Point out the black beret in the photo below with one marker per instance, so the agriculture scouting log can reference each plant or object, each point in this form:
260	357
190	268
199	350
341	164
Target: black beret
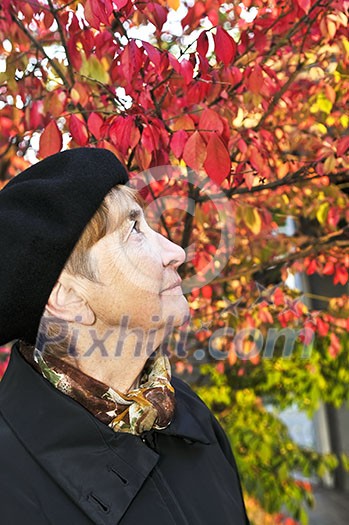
43	212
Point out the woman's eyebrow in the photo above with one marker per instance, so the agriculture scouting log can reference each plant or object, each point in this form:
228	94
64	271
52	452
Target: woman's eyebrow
131	215
134	214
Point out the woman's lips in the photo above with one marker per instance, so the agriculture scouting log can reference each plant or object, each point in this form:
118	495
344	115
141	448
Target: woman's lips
174	288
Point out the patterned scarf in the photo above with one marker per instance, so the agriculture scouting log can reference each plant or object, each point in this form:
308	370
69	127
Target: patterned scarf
150	405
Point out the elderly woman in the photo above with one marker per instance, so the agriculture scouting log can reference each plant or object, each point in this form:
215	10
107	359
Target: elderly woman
93	427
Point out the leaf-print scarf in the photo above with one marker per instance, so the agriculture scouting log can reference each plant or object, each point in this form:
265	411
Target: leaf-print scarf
150	405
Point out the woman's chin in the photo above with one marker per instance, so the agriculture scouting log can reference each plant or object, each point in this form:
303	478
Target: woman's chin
178	313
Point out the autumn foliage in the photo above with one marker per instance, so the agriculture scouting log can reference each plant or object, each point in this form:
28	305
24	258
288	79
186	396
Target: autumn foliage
253	97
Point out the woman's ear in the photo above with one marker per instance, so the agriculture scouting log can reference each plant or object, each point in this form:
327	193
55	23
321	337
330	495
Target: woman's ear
67	304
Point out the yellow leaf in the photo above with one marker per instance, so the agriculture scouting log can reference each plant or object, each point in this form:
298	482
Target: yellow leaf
329	164
345	43
239	118
94	69
252	219
174	4
283	169
74	95
344	120
322	212
251	122
316	73
330	120
322	104
318	128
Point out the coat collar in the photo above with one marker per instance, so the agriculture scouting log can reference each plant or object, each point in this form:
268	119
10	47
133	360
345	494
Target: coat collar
106	471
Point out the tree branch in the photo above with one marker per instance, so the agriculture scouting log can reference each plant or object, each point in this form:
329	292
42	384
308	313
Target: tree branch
290	178
278	96
292	31
53	11
312	248
40	48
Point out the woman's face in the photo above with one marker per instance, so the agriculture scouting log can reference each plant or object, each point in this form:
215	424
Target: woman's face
137	274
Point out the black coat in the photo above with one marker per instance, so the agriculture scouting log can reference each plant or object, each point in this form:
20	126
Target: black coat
59	465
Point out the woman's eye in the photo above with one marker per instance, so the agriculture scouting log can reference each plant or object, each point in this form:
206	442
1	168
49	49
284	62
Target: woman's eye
135	227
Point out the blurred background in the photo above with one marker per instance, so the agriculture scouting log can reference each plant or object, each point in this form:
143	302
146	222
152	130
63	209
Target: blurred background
233	119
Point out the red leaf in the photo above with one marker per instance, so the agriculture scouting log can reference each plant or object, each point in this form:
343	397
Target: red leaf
48	20
255	80
184	122
79	94
220	367
55	103
260	40
143	157
195	13
342	145
131	59
94	124
108	6
78	130
217	163
124	134
187	70
87	40
312	267
341	275
148	139
206	292
333	217
241	144
93	13
322	327
164	138
256	159
211	121
194	152
91	18
213	16
202	44
204	67
178	141
134	134
36	115
157	14
153	53
328	268
335	345
305	5
50	140
174	63
74	54
200	260
119	134
225	46
74	26
99	8
120	3
278	297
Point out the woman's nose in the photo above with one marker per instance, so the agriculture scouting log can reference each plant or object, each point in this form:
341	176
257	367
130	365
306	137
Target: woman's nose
171	253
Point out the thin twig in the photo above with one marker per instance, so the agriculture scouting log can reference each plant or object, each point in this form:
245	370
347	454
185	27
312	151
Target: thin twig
278	95
38	46
311	249
53	11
